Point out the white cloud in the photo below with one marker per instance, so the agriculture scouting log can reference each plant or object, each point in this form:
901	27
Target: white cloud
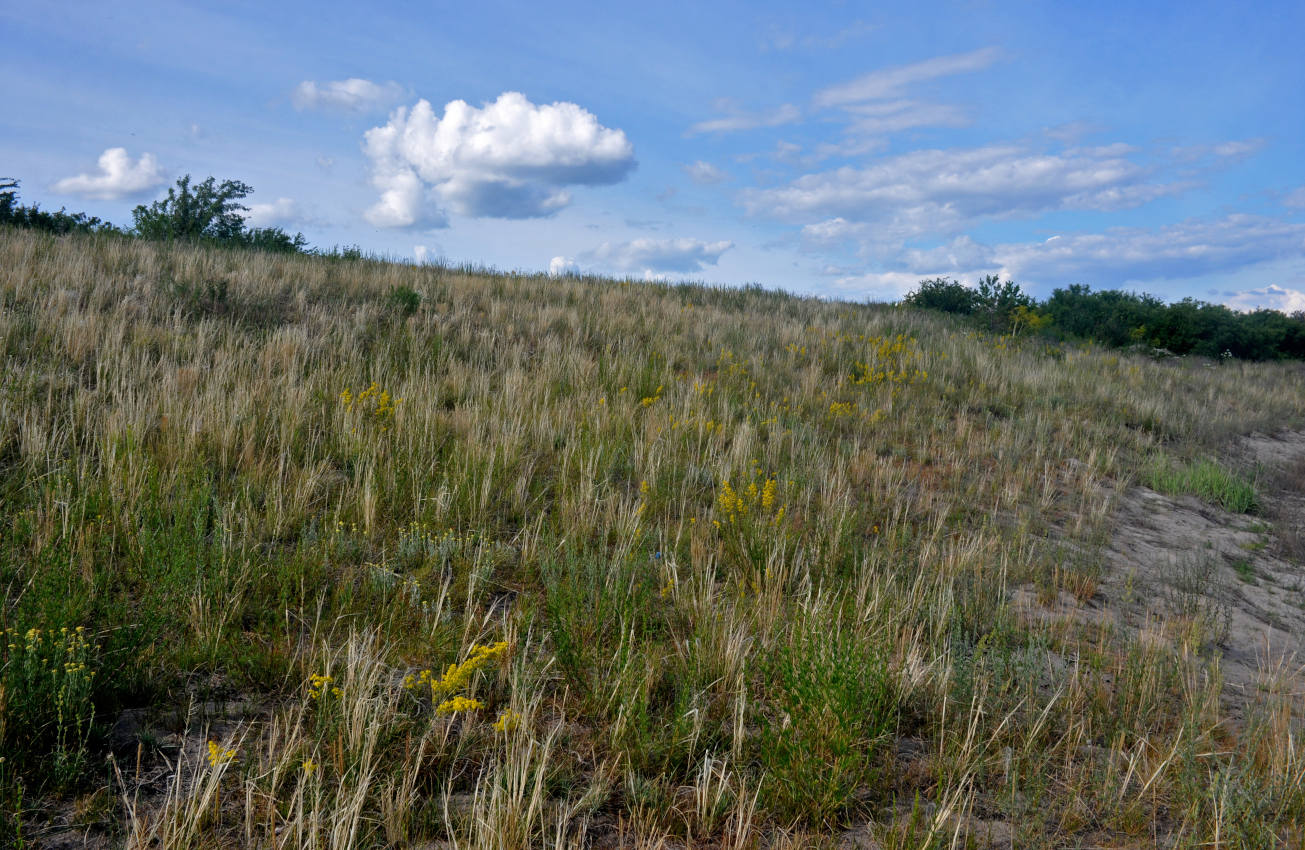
281	212
737	119
659	255
507	159
1109	259
1295	198
896	115
326	163
1270	297
938	192
559	266
351	95
118	177
891	82
705	173
782	39
1239	149
1115	258
1186	249
420	253
877	286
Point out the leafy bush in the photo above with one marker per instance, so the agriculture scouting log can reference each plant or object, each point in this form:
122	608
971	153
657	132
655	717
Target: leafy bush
992	302
405	299
940	293
836	711
210	211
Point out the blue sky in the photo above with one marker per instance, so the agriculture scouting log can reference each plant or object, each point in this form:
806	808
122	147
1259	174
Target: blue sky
839	149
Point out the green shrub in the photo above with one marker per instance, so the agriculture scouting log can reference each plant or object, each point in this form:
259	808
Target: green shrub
940	293
406	300
835	710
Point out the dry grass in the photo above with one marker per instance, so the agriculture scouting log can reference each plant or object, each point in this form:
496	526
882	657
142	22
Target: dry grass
584	468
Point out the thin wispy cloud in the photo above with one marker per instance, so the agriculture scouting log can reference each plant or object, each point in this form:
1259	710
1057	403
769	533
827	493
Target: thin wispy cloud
782	39
1111	258
351	95
737	119
894	116
892	82
939	191
704	173
118	177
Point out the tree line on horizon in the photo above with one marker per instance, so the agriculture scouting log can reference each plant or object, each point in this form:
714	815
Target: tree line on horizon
210	212
1119	319
203	212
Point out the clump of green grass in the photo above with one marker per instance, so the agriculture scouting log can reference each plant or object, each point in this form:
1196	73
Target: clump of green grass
1206	480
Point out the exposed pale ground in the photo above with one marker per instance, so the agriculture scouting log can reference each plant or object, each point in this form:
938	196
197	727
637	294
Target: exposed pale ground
1231	576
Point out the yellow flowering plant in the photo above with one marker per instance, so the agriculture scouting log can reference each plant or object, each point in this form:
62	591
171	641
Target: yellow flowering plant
46	709
372	406
447	692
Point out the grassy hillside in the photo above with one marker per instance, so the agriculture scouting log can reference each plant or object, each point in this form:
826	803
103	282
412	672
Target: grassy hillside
302	552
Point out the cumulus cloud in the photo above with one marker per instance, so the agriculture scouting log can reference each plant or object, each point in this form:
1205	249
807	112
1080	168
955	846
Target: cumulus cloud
1271	297
118	177
559	266
937	192
351	95
659	255
506	159
737	119
892	82
705	173
279	213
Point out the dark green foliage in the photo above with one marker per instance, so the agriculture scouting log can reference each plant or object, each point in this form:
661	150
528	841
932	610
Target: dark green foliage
1184	327
940	293
406	300
8	197
343	252
274	239
993	303
1120	319
208	211
996	302
35	218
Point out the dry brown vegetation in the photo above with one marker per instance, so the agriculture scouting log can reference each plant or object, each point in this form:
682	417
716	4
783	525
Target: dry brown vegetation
755	559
